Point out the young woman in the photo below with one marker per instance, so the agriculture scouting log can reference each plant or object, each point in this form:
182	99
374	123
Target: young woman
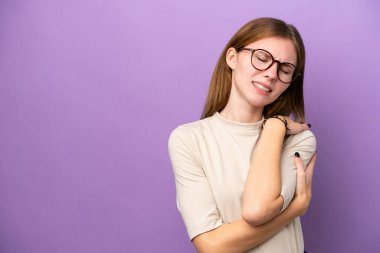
239	171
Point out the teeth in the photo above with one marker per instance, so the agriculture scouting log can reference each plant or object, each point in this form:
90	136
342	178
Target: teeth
261	87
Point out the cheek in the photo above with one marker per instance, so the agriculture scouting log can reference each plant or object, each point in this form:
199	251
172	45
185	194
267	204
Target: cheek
246	73
239	75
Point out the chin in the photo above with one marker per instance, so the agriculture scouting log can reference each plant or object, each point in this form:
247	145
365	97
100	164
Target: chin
259	102
257	105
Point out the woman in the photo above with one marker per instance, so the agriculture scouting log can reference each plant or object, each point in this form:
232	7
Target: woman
240	179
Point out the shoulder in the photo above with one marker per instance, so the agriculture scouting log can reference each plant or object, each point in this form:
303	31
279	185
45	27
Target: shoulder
183	144
187	132
305	138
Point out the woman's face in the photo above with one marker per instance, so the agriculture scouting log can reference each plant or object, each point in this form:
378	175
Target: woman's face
259	88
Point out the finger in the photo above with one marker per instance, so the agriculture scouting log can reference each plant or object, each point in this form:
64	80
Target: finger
300	128
298	162
305	126
310	170
301	180
296	128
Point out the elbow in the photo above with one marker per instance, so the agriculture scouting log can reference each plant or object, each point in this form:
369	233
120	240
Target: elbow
207	244
259	212
213	247
255	216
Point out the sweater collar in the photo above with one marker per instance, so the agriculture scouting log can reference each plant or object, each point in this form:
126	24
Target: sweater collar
238	127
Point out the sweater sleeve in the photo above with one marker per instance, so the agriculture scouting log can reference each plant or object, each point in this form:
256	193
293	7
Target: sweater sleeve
195	200
305	144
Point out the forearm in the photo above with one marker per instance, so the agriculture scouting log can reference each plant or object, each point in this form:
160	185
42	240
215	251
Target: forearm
261	197
239	236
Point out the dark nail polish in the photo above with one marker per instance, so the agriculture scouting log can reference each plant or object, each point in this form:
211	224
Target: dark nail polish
297	154
309	125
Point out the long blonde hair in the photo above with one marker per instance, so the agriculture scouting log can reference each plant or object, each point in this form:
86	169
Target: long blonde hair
291	101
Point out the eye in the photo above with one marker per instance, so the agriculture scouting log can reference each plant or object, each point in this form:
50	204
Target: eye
287	69
263	57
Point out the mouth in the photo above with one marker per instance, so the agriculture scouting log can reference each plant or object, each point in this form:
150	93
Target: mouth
262	86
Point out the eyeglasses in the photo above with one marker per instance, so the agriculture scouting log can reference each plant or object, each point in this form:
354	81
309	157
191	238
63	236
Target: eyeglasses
263	60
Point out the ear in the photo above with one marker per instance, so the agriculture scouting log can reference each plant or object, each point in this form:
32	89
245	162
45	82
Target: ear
231	57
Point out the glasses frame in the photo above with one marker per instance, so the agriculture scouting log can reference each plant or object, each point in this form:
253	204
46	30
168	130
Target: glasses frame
295	74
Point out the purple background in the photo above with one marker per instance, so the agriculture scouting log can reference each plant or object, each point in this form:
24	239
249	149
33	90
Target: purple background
90	90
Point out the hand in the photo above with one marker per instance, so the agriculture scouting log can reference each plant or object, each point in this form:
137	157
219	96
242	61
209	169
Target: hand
302	195
294	127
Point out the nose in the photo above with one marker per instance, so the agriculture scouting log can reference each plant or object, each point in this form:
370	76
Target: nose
271	73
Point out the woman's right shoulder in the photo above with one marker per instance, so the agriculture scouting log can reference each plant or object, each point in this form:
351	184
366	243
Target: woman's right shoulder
188	131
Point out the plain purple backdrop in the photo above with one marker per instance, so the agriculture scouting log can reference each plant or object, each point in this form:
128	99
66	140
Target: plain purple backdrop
90	90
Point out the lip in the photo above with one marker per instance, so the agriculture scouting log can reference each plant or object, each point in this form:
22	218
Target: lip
264	84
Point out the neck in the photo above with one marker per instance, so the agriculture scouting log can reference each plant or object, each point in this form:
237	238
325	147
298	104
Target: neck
243	114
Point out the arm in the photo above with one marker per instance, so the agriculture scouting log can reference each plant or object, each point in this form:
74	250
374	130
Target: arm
262	199
200	213
239	236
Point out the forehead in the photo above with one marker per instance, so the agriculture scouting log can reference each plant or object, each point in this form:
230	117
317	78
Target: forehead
281	49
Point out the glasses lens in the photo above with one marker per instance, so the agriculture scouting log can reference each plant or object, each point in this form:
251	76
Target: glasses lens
261	59
286	72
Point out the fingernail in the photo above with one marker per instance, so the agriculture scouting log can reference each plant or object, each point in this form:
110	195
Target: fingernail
297	154
309	125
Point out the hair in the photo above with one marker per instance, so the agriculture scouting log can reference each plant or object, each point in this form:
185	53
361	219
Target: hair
291	100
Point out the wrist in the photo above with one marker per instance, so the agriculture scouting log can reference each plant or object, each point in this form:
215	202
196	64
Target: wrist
275	125
299	205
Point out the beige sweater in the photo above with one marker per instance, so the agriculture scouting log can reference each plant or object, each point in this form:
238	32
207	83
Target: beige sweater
211	159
